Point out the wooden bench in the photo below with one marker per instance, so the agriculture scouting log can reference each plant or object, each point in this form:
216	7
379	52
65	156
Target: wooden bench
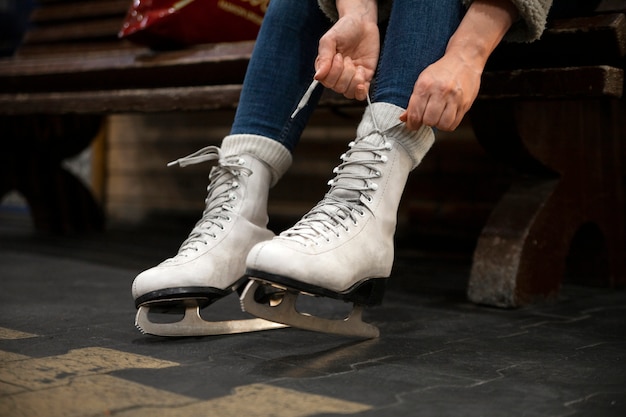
553	109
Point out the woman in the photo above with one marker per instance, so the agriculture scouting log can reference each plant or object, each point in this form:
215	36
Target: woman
421	61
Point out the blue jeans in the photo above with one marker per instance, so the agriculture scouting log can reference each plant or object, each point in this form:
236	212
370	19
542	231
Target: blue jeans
282	64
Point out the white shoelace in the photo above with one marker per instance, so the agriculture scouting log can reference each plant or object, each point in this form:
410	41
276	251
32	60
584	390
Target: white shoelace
351	188
220	196
347	200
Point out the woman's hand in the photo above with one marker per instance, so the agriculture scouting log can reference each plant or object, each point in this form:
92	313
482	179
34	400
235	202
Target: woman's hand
443	93
348	52
445	90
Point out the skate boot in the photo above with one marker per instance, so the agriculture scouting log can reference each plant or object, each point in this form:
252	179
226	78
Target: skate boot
343	248
210	263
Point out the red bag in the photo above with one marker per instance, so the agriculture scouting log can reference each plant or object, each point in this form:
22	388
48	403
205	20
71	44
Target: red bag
176	23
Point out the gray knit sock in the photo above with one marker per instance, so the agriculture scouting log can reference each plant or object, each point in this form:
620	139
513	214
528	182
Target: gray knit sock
386	117
274	154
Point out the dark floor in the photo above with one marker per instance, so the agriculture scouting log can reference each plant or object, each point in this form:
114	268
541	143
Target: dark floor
68	346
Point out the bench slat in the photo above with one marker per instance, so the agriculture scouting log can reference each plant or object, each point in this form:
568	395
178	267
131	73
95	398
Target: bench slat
123	101
550	83
205	98
78	31
84	9
130	68
571	83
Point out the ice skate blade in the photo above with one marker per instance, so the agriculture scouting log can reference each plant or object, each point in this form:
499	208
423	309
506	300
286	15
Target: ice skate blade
285	312
193	324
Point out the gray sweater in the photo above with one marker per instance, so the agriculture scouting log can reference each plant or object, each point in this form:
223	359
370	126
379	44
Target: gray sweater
529	27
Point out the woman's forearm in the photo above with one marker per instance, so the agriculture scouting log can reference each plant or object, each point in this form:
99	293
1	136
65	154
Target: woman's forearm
481	30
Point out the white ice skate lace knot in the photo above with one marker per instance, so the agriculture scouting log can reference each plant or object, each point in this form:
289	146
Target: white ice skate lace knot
221	193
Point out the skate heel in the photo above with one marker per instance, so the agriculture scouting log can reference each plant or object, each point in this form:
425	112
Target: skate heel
368	293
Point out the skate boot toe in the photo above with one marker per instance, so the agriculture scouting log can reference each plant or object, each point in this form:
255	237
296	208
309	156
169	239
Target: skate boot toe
174	285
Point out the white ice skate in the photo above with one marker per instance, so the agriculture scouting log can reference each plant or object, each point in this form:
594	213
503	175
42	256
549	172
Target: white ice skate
342	248
210	263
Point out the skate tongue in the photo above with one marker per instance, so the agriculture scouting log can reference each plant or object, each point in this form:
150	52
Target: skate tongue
375	138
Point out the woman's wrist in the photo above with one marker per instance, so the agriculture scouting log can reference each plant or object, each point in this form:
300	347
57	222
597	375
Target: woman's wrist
365	9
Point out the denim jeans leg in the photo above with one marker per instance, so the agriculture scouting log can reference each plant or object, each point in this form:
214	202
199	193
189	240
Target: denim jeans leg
416	36
280	71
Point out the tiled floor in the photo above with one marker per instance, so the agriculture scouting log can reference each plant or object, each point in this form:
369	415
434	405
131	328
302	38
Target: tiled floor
68	346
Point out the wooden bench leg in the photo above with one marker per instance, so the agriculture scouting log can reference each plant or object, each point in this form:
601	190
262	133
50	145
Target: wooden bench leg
564	215
34	148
